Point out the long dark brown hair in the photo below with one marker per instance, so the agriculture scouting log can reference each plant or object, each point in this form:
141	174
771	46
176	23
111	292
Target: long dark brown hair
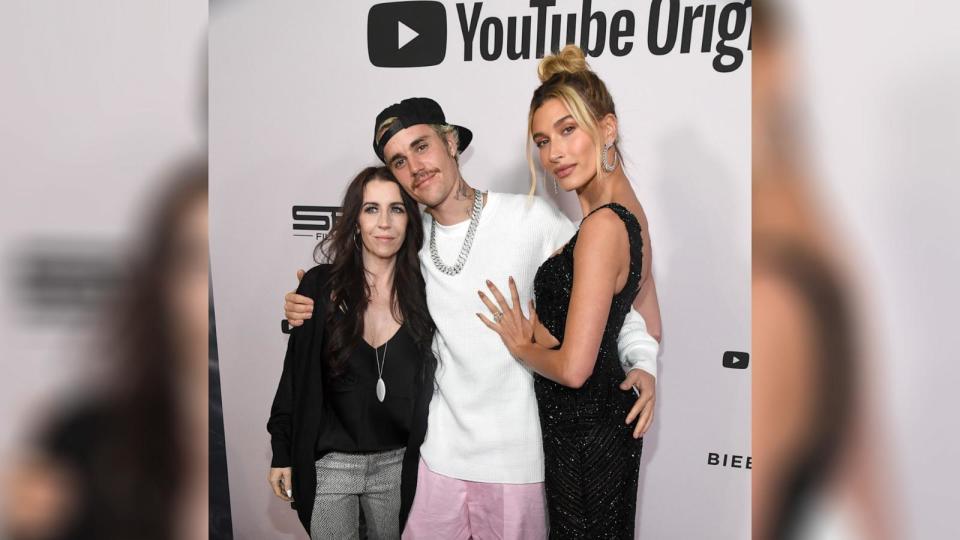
126	444
349	291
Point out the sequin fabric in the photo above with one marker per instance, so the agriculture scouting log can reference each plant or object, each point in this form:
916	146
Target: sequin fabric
591	458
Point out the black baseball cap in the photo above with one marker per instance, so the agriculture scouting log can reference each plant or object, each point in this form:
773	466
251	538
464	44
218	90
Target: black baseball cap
410	112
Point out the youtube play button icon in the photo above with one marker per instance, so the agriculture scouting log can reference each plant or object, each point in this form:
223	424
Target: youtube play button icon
407	34
736	359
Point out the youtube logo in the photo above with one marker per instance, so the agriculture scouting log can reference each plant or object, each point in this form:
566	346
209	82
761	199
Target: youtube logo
407	34
736	360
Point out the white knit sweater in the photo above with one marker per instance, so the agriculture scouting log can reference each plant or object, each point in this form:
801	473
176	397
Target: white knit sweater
483	424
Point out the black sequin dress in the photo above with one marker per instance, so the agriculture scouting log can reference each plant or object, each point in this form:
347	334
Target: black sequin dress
591	458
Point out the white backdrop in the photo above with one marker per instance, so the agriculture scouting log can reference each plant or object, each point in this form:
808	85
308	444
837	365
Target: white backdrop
293	100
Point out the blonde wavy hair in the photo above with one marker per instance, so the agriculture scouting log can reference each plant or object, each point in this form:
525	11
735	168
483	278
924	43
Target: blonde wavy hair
566	76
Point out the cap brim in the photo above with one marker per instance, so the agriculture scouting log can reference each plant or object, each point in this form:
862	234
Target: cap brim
464	135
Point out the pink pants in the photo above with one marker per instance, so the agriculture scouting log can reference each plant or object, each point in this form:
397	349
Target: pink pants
454	509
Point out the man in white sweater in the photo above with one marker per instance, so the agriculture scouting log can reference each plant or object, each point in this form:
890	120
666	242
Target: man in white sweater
481	470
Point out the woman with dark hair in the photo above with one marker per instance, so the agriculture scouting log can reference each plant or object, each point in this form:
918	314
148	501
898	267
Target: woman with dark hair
350	409
128	458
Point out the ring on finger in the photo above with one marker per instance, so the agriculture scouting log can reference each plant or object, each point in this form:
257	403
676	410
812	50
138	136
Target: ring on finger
497	317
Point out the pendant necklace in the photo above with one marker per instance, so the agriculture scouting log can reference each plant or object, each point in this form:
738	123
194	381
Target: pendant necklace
381	387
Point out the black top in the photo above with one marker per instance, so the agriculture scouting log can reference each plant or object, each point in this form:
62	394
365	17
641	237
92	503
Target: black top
110	487
354	419
298	411
600	396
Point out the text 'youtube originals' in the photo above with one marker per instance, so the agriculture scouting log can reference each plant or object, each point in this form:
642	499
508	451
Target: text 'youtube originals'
414	34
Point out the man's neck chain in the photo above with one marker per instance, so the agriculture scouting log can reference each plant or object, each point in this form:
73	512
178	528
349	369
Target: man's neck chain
467	242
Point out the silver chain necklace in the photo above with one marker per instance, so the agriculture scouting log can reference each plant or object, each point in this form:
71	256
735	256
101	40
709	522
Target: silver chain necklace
381	386
467	242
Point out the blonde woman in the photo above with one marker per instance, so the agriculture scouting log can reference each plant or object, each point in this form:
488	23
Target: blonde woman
583	292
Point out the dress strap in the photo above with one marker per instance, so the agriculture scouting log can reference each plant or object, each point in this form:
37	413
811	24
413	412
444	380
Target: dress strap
624	214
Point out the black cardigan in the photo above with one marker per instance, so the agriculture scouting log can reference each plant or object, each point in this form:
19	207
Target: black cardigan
295	416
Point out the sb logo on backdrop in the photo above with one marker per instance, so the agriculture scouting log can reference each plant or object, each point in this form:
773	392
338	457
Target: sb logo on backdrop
414	34
314	221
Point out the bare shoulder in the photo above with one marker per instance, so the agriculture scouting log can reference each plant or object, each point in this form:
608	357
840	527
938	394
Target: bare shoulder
603	229
602	252
602	221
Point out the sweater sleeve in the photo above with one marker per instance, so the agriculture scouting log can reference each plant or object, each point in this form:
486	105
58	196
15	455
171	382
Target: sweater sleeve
556	228
280	424
636	347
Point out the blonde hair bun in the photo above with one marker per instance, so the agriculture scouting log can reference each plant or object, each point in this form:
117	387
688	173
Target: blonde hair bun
569	59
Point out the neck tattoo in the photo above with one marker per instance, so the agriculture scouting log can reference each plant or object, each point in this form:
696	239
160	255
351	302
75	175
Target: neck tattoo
462	190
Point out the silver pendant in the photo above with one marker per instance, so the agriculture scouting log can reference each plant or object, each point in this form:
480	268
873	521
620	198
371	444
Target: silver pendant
381	390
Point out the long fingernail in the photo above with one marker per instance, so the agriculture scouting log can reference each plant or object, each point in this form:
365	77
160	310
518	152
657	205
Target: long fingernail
489	283
289	493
